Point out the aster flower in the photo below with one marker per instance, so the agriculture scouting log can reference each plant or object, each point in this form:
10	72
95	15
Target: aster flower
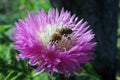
56	42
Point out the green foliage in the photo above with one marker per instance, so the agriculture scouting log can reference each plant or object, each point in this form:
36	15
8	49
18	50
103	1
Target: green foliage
88	73
14	9
118	78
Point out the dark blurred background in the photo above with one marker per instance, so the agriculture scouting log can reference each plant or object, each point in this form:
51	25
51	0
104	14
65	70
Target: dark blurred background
104	18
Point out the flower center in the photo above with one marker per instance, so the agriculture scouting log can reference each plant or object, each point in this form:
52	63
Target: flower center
56	35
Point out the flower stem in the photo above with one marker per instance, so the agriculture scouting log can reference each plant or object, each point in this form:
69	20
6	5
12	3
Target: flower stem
7	77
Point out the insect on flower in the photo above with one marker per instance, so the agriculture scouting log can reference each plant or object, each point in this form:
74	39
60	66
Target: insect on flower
59	33
56	42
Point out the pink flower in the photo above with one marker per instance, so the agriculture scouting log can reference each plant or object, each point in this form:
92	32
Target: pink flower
54	41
